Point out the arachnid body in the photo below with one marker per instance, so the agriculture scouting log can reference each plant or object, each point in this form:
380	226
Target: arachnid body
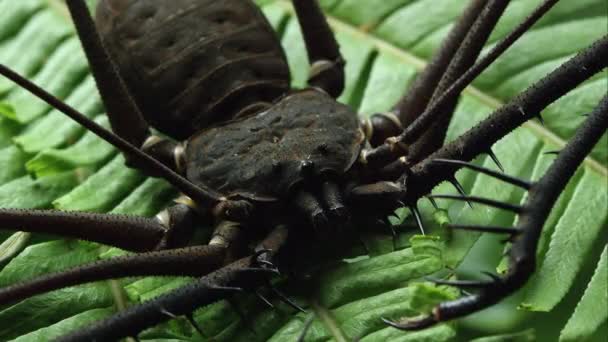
284	175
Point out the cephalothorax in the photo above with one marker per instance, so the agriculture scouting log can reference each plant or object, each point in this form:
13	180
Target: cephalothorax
306	134
269	166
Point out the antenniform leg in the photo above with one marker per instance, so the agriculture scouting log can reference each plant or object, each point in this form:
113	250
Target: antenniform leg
522	256
419	94
434	110
464	58
522	108
327	64
414	102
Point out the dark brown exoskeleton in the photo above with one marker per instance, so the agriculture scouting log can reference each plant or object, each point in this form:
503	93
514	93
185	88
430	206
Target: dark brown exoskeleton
269	166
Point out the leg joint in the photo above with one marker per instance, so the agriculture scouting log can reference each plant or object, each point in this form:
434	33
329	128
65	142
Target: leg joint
166	151
381	126
328	75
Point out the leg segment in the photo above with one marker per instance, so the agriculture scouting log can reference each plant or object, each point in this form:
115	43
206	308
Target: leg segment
465	57
225	234
191	261
424	176
332	197
381	126
310	206
419	94
124	114
522	256
428	118
415	101
131	233
199	193
167	152
376	192
238	276
327	65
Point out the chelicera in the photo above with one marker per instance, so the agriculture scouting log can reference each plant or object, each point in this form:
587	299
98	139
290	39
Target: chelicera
273	168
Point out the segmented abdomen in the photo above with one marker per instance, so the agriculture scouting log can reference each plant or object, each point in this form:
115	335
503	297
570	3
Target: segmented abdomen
193	63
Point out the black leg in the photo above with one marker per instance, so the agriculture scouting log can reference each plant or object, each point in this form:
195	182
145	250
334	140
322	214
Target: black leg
131	233
424	176
415	101
243	274
124	114
201	194
463	59
419	94
522	256
310	206
191	261
327	65
433	111
458	52
166	151
218	285
332	197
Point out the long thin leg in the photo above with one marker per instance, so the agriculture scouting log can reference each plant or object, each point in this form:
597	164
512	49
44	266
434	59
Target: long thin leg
524	107
421	91
124	114
202	195
522	256
209	289
428	118
130	233
238	276
418	95
191	261
327	64
465	57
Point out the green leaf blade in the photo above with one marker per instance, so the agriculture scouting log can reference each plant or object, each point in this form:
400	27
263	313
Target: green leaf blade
592	310
588	209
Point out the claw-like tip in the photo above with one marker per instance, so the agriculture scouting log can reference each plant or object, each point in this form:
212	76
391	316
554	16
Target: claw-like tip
264	299
286	299
416	323
260	252
266	263
274	270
